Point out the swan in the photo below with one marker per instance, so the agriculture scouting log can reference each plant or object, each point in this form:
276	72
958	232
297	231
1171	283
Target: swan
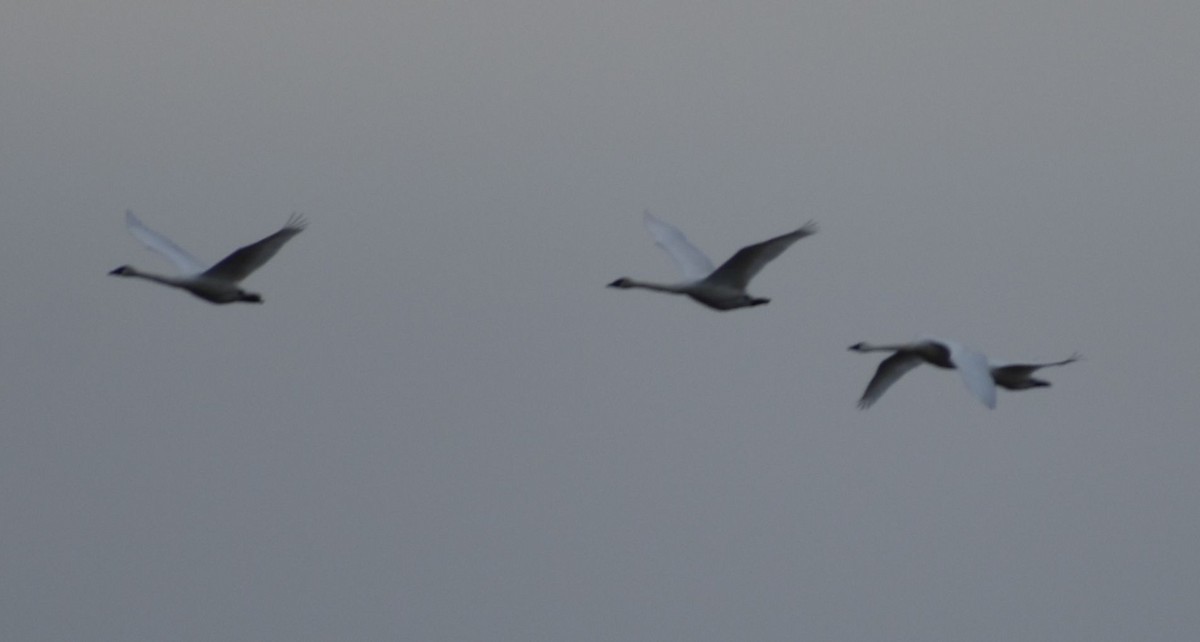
971	365
722	288
1019	376
217	284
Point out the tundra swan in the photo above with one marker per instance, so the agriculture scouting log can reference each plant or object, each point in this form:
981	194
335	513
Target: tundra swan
217	284
971	365
722	288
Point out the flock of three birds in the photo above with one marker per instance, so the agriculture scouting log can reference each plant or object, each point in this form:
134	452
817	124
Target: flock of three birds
720	288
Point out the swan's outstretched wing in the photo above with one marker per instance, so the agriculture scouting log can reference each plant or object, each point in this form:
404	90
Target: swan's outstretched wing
741	267
186	263
1026	369
973	367
691	260
886	374
243	261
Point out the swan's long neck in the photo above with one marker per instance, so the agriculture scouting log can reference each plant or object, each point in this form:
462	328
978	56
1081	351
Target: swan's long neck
157	278
677	288
870	347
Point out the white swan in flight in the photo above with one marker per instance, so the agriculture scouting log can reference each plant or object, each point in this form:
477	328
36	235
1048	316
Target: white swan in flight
971	365
217	284
722	288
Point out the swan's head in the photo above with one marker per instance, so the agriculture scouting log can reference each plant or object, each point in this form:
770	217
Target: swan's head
249	297
624	283
859	347
124	270
754	302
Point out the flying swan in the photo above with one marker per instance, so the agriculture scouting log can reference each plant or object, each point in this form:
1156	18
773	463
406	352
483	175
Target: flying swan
981	375
722	288
219	283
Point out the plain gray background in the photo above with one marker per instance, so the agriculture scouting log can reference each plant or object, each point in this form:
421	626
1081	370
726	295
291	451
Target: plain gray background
441	426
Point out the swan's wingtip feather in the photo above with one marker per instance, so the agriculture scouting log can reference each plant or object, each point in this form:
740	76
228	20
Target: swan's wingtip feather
297	221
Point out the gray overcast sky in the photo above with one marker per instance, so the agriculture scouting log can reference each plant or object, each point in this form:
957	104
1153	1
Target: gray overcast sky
441	426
